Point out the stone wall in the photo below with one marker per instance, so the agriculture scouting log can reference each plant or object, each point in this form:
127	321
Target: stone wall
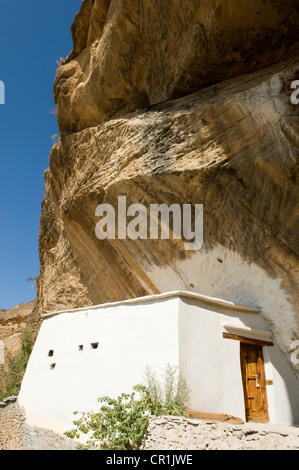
176	433
164	433
16	435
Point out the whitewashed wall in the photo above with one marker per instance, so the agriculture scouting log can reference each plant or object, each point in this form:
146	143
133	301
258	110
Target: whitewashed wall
129	336
212	364
171	328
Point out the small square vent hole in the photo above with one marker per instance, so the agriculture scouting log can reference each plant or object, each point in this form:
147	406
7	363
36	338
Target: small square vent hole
94	345
51	353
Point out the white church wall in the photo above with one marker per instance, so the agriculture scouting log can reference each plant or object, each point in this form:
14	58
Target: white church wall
234	279
129	337
283	395
212	363
212	366
103	351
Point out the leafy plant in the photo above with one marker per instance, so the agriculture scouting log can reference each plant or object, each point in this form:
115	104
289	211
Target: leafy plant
56	139
11	379
34	281
122	423
169	397
60	62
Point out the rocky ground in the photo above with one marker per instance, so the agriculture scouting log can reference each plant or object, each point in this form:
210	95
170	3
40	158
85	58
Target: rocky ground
165	433
15	434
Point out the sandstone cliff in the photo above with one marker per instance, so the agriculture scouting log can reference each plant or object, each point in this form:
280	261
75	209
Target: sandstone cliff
178	102
131	54
12	323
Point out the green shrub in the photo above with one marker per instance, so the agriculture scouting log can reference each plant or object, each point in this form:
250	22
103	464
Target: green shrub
11	380
169	396
60	62
121	423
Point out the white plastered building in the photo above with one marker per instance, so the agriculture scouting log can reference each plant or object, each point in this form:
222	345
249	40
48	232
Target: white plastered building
225	351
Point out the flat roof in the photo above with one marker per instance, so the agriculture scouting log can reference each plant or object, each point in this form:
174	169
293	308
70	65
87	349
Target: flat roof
163	296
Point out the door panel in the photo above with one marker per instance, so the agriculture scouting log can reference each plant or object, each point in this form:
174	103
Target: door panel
254	383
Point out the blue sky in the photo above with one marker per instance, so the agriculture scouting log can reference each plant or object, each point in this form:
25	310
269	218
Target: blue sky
34	34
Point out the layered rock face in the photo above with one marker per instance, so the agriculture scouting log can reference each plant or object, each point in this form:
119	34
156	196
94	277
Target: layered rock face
232	146
12	324
130	54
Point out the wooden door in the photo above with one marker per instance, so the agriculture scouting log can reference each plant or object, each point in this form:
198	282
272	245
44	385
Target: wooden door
254	383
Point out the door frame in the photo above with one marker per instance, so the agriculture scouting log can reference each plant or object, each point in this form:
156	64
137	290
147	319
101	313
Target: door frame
263	382
260	391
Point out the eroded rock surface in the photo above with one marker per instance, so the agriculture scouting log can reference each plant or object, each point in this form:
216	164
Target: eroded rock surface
232	147
131	54
12	323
